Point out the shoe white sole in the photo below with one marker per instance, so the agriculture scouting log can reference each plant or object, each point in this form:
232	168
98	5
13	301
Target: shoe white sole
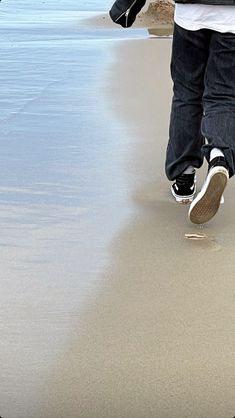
183	199
207	202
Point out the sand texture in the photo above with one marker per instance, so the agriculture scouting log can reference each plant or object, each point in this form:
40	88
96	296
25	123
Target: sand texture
112	304
161	11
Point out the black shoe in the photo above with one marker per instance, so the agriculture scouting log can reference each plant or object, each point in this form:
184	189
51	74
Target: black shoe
184	188
207	202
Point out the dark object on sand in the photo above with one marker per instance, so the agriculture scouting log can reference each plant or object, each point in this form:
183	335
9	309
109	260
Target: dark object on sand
124	12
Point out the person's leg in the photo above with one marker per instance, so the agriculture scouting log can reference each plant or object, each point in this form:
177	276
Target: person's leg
218	126
218	123
188	63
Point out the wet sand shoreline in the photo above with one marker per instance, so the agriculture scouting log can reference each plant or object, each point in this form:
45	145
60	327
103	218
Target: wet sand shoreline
107	310
161	325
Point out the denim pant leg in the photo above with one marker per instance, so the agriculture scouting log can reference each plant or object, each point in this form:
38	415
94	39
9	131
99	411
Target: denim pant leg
218	123
188	63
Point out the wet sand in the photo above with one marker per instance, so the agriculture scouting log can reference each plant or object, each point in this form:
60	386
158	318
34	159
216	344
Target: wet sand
107	309
157	340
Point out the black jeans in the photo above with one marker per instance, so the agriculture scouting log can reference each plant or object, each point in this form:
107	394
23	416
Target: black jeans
203	105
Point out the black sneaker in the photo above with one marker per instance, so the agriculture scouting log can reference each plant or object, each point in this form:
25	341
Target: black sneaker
184	188
207	202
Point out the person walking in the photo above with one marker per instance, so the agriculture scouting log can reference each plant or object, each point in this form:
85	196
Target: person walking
202	121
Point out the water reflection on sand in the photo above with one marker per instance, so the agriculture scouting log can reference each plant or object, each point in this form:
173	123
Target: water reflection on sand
59	186
106	309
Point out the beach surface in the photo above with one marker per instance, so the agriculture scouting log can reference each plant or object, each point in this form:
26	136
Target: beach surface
112	304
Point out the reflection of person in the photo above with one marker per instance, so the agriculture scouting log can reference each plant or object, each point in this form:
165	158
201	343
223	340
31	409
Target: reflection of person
203	107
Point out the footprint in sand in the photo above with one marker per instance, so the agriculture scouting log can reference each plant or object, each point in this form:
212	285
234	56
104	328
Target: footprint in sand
210	242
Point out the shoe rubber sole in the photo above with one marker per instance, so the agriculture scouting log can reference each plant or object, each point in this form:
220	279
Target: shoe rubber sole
183	199
207	202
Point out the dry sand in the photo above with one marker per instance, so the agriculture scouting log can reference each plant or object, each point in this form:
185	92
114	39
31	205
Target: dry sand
161	11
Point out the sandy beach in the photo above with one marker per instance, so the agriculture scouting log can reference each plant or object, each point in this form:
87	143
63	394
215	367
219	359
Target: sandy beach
107	309
158	339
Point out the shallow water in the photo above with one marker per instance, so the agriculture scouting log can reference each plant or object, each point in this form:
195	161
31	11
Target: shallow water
107	310
61	180
56	20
